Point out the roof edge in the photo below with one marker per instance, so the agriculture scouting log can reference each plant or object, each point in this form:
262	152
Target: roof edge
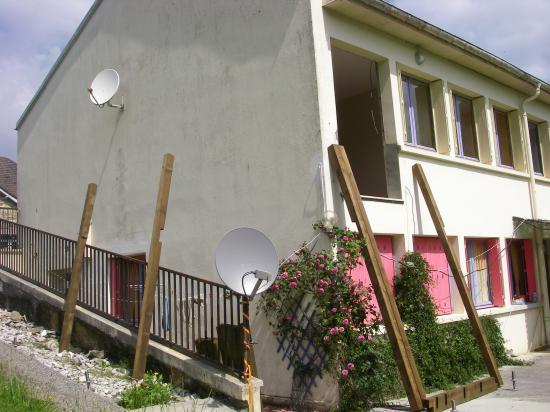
8	195
448	38
58	62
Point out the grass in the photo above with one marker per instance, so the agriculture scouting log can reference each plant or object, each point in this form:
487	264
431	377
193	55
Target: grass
16	397
147	392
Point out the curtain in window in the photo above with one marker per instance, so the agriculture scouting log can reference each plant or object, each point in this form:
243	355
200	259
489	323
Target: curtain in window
479	272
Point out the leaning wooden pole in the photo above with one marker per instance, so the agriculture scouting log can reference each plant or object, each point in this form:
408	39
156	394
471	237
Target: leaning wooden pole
74	282
382	289
477	327
151	276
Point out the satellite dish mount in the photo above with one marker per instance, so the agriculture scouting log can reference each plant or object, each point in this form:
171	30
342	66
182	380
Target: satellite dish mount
103	89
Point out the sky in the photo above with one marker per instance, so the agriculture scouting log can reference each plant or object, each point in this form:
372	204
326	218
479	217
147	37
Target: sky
33	33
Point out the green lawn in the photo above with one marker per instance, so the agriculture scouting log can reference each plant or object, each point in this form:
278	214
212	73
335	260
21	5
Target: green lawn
16	397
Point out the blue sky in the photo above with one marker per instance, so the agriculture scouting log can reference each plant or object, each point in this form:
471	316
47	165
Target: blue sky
33	33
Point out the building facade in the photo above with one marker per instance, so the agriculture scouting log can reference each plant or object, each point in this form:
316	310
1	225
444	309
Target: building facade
248	97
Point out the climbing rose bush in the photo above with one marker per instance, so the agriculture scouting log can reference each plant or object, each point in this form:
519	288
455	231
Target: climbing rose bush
346	319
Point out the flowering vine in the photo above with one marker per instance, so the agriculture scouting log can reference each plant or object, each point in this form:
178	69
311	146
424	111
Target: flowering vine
346	318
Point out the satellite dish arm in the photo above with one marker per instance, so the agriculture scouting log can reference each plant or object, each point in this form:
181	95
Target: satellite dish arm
91	91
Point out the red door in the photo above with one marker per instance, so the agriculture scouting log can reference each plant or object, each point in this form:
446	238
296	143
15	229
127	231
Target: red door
432	251
361	274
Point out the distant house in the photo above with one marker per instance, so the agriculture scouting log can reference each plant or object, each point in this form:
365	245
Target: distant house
8	189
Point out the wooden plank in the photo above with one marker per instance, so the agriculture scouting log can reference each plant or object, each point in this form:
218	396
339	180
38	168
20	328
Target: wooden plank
477	327
74	282
442	400
151	276
392	320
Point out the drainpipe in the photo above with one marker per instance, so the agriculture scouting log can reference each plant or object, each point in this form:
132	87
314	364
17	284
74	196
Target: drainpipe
538	238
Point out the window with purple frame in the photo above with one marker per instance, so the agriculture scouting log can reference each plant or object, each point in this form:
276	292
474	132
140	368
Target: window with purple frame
535	148
466	139
418	112
503	139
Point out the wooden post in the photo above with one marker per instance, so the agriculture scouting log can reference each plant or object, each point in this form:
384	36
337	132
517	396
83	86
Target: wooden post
386	301
249	369
74	282
151	276
479	332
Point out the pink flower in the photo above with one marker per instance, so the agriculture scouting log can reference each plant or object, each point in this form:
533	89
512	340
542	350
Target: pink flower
333	331
361	338
285	275
345	322
326	338
293	279
321	290
293	285
345	373
334	270
369	338
321	266
334	310
298	273
345	238
341	329
341	249
275	286
351	366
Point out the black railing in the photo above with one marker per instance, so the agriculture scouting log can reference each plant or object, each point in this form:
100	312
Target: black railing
9	213
192	315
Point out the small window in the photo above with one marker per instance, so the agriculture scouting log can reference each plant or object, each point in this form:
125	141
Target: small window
535	148
484	272
466	139
522	271
503	139
418	112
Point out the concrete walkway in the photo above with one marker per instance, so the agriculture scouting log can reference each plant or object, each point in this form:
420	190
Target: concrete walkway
532	392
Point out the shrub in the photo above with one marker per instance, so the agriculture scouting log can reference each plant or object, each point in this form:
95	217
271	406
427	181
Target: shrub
149	391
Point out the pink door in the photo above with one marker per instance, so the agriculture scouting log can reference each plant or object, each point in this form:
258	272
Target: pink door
361	274
430	248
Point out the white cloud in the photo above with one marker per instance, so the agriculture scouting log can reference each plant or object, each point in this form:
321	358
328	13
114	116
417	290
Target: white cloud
32	35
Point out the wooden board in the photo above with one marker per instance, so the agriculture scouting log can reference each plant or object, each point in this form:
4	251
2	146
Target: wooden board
477	327
392	320
439	401
74	282
147	305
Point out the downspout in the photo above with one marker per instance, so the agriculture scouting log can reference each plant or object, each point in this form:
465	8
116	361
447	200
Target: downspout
538	238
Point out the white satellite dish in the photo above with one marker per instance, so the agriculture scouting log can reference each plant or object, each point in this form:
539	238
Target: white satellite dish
104	87
247	257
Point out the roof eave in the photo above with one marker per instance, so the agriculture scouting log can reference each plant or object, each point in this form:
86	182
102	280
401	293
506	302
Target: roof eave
366	10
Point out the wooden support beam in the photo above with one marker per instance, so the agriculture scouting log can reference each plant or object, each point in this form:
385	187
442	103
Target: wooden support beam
382	289
477	327
442	400
74	282
151	276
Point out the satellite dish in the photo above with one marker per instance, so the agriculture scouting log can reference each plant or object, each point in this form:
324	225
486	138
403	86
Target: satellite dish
246	256
104	87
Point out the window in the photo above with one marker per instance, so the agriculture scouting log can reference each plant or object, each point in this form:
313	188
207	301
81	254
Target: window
418	112
535	148
503	139
522	271
484	273
466	139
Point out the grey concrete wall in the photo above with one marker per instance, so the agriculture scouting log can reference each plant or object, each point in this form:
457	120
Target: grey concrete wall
228	87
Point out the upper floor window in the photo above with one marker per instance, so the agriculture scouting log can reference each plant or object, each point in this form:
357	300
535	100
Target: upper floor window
535	148
466	139
503	139
418	112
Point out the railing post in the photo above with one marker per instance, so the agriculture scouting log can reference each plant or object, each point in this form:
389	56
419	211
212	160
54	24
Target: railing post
147	305
74	285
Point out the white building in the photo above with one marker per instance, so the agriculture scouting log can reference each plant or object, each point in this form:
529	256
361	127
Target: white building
248	96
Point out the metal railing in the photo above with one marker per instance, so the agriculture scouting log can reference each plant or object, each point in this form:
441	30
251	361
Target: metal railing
192	315
9	213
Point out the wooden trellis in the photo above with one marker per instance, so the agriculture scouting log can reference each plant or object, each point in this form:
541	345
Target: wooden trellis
418	399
